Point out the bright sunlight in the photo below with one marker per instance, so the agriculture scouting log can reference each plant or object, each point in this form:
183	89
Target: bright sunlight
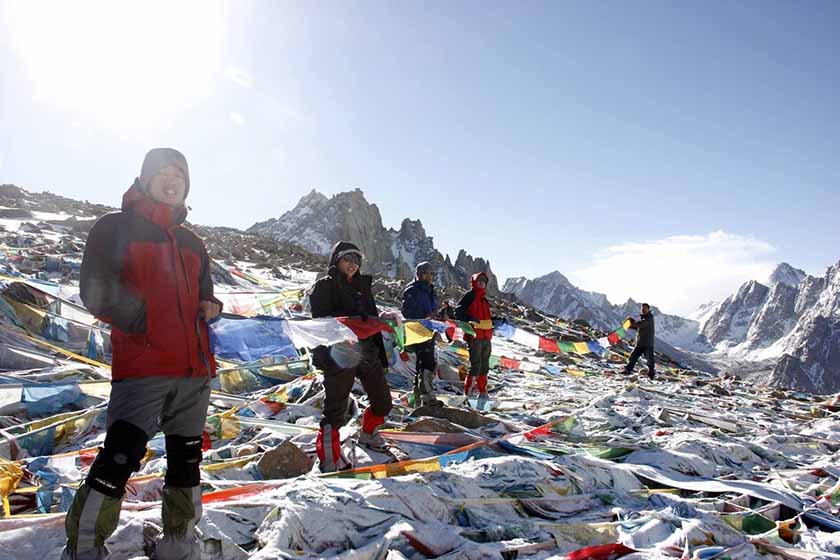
131	68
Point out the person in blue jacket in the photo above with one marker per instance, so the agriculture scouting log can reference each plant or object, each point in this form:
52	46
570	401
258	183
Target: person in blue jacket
420	302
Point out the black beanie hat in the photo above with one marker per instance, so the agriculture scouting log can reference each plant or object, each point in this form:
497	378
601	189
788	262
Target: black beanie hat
157	159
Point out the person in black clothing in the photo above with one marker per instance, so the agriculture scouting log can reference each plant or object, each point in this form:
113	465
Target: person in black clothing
345	292
645	335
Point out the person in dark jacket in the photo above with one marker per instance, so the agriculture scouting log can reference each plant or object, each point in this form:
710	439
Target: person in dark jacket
149	277
473	307
645	334
345	292
420	302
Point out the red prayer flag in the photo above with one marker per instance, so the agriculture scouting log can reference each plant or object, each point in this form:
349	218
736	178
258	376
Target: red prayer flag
601	552
549	345
509	363
536	432
365	329
613	338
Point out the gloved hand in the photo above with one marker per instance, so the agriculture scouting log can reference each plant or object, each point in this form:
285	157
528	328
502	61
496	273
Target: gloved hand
393	316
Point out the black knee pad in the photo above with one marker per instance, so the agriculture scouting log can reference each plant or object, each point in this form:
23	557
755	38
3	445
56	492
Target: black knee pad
125	446
183	457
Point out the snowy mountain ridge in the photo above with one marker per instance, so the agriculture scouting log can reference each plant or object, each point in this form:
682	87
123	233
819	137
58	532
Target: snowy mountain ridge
555	294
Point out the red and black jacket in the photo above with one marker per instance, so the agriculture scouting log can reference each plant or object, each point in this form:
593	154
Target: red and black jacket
146	274
475	307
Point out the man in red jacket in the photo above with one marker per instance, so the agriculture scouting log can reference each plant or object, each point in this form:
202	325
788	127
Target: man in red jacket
149	277
474	307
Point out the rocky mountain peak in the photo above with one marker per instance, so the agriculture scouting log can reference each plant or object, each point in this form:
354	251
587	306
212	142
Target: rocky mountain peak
814	359
312	198
469	265
786	274
731	320
412	229
317	222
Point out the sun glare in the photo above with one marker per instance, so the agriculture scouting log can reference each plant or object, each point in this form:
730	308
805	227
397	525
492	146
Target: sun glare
130	67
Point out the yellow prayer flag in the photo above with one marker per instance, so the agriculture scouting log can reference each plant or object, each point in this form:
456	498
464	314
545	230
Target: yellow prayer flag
236	463
399	469
581	348
575	373
10	475
416	333
486	324
626	324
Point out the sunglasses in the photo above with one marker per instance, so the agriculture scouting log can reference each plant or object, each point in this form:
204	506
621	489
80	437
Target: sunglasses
354	258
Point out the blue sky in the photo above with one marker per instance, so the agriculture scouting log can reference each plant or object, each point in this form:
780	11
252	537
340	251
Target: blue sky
664	150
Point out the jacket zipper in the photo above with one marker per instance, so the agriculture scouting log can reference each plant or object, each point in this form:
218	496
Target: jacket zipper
174	247
201	353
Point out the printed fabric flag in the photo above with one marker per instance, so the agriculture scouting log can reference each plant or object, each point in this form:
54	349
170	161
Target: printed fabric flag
437	326
526	338
594	347
553	370
311	333
566	347
457	330
250	339
365	328
509	363
453	332
549	345
10	475
398	332
503	329
529	366
581	348
613	338
416	332
463	326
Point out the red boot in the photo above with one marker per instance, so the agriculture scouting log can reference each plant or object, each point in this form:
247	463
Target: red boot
481	383
369	435
328	446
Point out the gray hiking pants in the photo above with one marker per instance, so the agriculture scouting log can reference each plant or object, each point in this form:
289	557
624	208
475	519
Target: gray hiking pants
174	405
178	407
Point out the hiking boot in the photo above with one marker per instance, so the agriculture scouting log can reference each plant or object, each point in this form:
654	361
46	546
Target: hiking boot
342	464
374	441
178	547
92	518
181	511
328	447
